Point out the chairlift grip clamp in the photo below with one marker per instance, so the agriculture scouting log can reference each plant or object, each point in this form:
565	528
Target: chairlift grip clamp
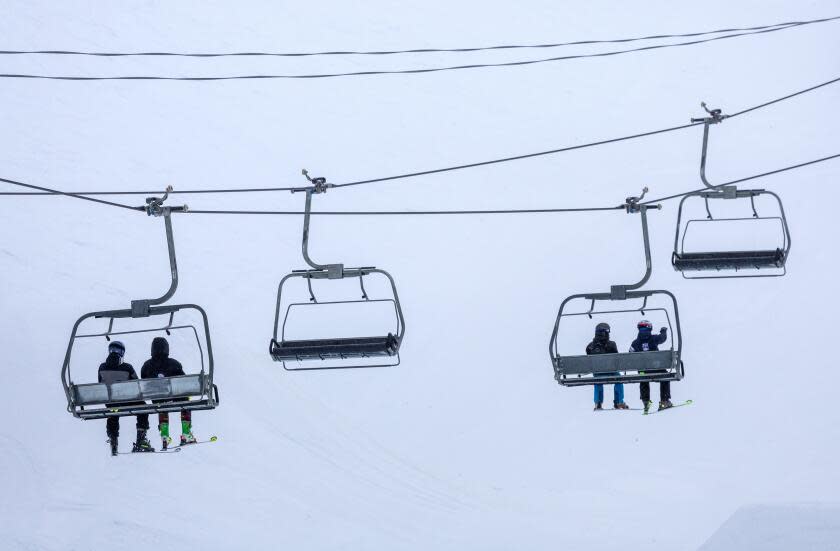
319	184
715	115
154	205
632	204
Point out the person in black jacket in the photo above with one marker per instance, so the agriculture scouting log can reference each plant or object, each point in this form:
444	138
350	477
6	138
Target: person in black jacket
114	370
646	341
602	344
161	365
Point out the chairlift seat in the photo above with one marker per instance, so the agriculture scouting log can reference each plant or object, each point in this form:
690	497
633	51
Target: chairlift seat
343	348
729	260
129	397
625	367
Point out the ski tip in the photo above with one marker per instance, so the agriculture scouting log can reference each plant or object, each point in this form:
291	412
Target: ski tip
213	438
689	401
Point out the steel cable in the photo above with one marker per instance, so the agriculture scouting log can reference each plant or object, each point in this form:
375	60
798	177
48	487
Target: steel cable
394	71
414	50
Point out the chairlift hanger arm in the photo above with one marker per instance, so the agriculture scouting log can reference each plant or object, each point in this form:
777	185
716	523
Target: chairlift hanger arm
319	185
154	207
633	205
716	116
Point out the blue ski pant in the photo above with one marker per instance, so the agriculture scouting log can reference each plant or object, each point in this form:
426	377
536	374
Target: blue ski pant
618	393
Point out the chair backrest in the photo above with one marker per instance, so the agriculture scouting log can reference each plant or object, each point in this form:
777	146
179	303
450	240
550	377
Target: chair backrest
139	390
112	376
616	363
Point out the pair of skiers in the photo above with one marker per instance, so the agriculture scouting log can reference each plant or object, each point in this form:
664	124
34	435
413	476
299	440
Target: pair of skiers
645	341
114	369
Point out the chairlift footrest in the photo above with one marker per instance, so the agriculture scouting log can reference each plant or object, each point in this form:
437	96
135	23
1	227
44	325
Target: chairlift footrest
730	260
328	349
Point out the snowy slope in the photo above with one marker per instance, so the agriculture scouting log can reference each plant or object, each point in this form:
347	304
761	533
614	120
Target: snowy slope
780	527
469	444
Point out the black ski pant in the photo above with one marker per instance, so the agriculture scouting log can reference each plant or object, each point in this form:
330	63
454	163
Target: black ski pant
112	425
664	391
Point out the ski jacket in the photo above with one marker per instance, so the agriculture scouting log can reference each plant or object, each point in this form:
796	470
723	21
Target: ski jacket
601	346
646	341
160	364
112	370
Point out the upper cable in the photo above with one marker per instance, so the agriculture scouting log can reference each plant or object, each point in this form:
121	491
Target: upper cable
416	50
406	71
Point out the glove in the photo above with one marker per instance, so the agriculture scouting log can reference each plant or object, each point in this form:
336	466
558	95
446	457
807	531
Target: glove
663	331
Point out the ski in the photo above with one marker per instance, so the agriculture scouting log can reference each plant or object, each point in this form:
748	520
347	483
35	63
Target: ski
686	403
615	409
211	440
168	450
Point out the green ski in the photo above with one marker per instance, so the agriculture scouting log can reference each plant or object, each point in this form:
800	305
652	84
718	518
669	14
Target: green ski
686	403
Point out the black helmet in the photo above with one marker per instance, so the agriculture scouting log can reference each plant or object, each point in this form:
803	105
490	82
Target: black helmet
117	347
603	328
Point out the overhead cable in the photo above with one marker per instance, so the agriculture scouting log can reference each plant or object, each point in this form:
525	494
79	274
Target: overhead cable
582	146
394	71
159	191
431	212
783	98
69	194
740	180
439	170
505	211
412	50
404	212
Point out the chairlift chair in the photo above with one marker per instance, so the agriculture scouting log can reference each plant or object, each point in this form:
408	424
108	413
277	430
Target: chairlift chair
728	263
130	397
623	367
333	353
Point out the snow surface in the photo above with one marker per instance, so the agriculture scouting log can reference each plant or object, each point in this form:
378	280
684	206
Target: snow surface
469	444
778	528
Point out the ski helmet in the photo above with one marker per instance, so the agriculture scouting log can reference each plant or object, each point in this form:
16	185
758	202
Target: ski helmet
644	325
117	347
603	328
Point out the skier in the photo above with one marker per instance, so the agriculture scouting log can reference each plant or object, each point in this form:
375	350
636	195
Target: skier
161	365
646	341
114	370
602	344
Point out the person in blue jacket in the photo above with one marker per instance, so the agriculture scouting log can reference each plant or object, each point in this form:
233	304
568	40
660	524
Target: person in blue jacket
646	341
602	344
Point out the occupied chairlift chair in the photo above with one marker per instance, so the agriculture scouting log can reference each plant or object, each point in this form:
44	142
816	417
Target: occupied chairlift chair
722	263
381	350
122	398
624	367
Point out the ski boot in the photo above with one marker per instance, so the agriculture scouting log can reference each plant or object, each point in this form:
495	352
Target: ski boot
598	406
186	433
142	444
113	441
620	405
665	404
165	440
647	405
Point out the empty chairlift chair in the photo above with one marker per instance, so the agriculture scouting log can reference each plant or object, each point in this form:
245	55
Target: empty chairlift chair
378	350
115	397
719	262
623	367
